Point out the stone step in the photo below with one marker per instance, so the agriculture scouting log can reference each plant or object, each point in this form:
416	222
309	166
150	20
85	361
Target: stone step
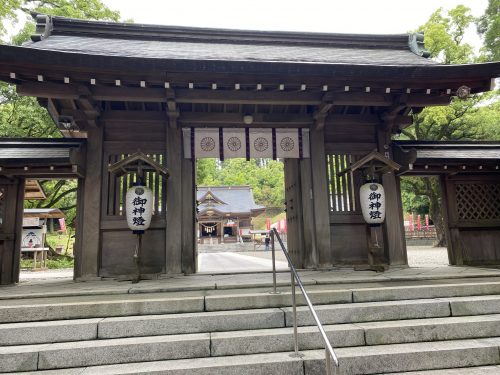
113	351
480	370
426	291
215	321
370	312
85	307
42	309
247	300
48	332
103	352
220	321
346	335
97	306
381	359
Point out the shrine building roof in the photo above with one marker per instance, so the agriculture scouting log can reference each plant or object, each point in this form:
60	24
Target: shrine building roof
227	200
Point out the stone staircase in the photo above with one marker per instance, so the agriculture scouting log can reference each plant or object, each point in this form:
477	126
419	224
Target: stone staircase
379	327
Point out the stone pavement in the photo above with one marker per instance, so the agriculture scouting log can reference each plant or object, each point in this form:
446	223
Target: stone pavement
66	287
210	260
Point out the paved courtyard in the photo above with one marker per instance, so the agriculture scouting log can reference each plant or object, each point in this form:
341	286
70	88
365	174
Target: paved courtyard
243	258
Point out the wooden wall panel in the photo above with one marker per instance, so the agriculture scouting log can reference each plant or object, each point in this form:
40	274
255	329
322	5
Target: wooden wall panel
480	246
349	244
350	133
133	131
473	206
118	248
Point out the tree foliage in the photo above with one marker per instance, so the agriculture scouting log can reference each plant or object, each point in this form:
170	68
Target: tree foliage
470	119
444	33
488	27
23	116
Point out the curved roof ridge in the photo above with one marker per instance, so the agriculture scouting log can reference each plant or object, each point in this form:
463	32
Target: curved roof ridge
55	25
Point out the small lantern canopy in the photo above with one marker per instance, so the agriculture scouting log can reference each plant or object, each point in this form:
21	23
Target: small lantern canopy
372	194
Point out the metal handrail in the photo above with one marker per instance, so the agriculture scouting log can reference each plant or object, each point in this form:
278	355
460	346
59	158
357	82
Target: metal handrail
329	352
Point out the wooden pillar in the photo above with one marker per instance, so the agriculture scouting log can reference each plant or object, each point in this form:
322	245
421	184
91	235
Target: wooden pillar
174	235
394	235
449	202
310	252
188	216
11	229
320	194
77	246
455	254
294	212
89	264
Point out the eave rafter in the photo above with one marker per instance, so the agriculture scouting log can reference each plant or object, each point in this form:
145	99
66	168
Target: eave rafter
210	96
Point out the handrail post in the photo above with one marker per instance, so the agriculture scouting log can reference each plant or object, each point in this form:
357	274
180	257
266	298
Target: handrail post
294	306
328	362
330	353
274	262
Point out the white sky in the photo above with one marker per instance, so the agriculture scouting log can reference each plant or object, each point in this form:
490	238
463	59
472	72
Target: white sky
334	16
337	16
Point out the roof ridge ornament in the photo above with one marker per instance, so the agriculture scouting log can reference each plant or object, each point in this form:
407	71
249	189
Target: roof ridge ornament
44	26
416	44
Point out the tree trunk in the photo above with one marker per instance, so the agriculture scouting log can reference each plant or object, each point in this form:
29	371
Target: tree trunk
435	212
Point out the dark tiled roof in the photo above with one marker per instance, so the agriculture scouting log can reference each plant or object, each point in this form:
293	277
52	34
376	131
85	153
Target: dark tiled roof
451	151
24	152
228	52
237	199
185	43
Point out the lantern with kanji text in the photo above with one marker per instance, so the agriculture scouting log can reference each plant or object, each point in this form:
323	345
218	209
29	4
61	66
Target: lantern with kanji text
139	207
372	200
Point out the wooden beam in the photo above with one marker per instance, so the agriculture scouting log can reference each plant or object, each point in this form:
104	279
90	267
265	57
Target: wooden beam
248	97
384	100
353	120
124	116
237	118
68	91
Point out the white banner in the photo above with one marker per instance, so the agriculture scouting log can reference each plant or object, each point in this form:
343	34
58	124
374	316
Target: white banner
261	143
206	143
234	143
287	143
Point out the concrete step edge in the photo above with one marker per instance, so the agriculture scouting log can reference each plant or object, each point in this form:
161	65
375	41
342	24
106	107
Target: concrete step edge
458	354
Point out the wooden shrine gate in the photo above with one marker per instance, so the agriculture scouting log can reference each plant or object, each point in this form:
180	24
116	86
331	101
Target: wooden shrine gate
136	87
34	159
469	177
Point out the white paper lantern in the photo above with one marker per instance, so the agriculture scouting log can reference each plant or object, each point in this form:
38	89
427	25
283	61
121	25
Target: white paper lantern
139	207
372	198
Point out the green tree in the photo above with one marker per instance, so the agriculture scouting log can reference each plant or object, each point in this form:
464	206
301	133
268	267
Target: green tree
462	120
23	116
488	27
265	177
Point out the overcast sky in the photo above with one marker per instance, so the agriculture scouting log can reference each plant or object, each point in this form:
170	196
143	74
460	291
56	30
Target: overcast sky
338	16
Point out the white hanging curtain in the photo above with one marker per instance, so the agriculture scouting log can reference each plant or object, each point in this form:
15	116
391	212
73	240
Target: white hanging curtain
234	143
206	143
287	143
245	143
261	143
